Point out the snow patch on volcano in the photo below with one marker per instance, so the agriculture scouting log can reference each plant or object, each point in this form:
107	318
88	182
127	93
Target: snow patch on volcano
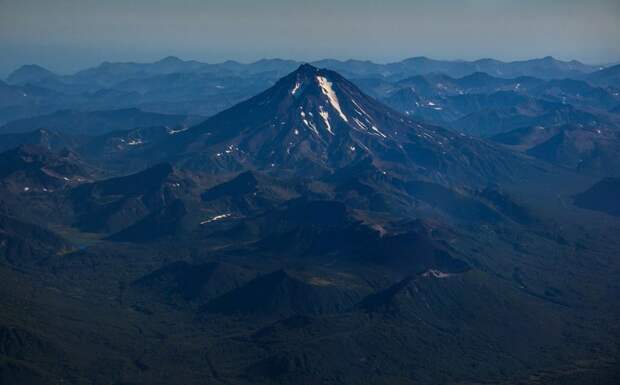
433	273
295	88
216	218
375	129
172	131
360	124
311	126
135	142
361	111
326	87
325	115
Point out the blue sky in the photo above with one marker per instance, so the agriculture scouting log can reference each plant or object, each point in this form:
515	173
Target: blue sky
66	35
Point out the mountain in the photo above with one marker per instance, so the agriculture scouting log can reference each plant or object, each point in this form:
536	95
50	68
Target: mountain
314	121
23	243
581	149
190	282
480	104
603	196
139	207
283	293
432	85
114	204
576	92
97	122
248	193
50	140
606	77
304	229
463	311
33	179
473	114
30	74
17	102
326	228
408	297
28	169
161	222
593	149
120	151
490	121
546	68
18	346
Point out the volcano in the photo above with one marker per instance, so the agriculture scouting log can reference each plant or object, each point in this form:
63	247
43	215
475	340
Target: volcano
314	121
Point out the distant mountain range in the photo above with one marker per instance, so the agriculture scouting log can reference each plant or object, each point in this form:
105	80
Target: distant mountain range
174	86
108	74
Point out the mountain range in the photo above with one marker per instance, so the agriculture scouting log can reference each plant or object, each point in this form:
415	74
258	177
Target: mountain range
174	86
311	233
485	98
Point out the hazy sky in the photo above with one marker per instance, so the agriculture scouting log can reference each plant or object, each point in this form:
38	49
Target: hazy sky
66	35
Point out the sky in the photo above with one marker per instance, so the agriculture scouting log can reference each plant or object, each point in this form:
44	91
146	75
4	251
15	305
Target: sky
68	35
